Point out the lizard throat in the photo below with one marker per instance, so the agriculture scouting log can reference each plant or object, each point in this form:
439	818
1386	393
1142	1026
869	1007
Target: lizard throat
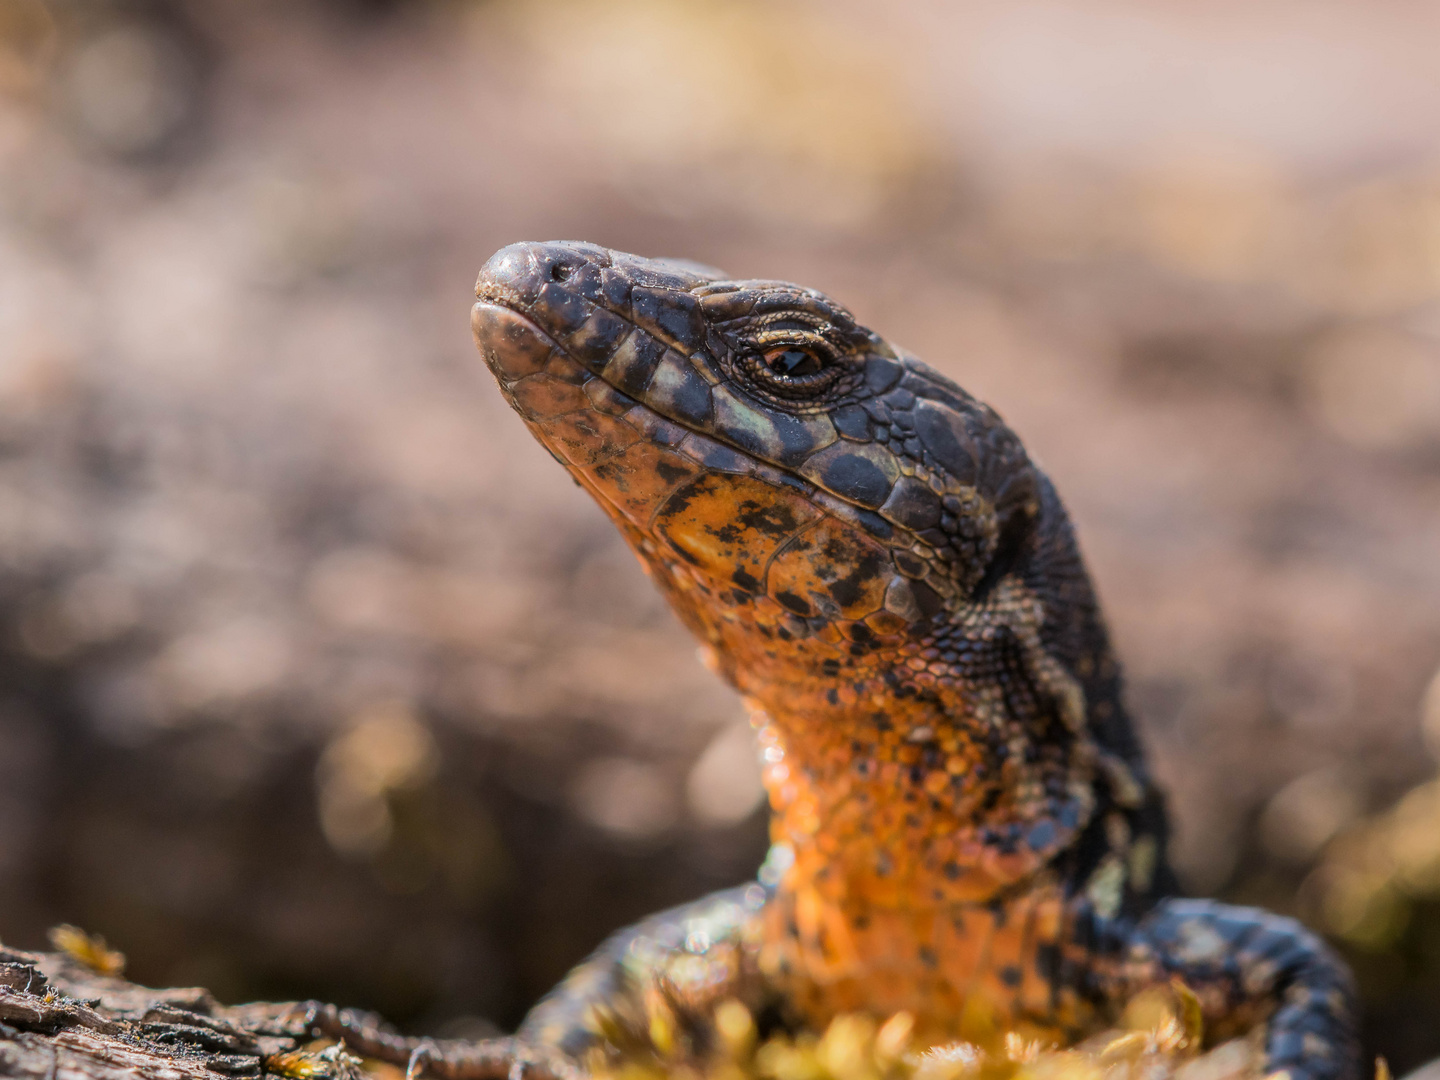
882	811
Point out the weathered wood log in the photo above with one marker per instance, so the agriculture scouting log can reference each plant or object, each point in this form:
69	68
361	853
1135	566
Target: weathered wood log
68	1015
62	1019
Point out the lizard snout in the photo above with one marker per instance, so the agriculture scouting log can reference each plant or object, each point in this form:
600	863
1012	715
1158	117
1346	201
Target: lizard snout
518	273
540	275
525	299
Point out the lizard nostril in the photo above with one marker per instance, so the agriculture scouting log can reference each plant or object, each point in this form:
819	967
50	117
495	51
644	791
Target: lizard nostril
561	271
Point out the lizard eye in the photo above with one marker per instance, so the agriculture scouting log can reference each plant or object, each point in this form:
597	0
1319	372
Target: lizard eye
793	363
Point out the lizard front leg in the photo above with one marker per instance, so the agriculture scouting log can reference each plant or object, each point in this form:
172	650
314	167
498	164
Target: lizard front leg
711	932
1246	966
562	1026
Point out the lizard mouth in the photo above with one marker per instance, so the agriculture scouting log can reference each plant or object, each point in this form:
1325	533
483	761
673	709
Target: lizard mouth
490	292
511	339
513	345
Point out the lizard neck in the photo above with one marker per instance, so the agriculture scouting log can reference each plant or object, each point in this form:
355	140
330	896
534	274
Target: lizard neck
900	884
902	804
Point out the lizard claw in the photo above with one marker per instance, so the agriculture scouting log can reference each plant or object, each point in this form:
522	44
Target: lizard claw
309	1015
420	1058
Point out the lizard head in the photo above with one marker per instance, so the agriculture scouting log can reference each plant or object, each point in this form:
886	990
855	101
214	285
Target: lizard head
865	549
773	383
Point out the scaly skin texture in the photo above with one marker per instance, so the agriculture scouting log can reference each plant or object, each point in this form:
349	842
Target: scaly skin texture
963	823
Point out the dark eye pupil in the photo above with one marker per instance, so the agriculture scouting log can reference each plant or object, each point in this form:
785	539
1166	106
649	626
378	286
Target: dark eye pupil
794	362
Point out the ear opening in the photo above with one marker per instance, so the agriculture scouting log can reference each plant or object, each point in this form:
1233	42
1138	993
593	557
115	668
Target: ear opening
1013	535
1016	529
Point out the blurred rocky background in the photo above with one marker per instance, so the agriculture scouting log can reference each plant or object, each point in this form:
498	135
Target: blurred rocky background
317	677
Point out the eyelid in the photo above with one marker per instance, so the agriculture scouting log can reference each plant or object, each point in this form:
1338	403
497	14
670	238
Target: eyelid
767	340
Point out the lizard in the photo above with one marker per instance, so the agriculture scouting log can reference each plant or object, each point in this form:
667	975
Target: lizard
963	823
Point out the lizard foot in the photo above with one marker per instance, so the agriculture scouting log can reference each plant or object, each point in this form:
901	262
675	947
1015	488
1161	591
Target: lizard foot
503	1058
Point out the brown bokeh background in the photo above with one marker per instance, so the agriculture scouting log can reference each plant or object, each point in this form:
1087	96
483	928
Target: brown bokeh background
317	677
